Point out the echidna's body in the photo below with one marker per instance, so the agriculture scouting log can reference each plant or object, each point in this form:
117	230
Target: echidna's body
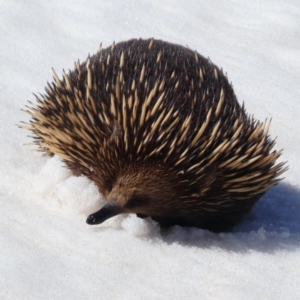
158	128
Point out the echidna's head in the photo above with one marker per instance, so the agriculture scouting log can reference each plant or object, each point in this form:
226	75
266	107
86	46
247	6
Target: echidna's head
140	190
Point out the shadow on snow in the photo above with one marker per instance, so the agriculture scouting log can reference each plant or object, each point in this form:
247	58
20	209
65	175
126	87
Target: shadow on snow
273	224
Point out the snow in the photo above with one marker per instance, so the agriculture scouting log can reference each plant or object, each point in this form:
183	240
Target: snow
46	249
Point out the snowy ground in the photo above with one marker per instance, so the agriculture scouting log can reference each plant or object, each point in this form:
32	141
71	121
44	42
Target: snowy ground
46	249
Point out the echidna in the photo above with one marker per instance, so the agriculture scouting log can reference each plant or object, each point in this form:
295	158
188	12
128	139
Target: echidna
157	127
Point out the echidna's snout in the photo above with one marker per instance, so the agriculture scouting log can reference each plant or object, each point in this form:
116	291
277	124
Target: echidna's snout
139	190
109	210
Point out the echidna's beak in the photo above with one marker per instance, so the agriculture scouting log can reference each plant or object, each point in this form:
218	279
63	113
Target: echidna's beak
109	210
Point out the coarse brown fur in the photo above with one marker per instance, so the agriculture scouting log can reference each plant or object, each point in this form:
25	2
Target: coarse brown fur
159	130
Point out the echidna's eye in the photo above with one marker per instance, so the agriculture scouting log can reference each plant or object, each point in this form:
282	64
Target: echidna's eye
137	201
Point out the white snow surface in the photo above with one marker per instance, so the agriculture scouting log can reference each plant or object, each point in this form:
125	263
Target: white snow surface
47	251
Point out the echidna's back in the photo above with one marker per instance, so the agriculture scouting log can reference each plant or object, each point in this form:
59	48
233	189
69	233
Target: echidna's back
191	84
151	89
